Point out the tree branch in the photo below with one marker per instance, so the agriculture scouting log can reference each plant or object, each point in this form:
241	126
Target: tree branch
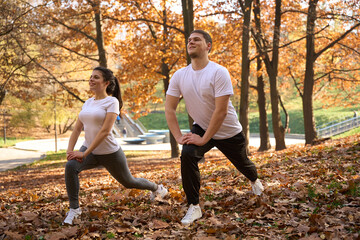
12	72
70	50
295	83
75	29
336	41
145	20
46	70
220	13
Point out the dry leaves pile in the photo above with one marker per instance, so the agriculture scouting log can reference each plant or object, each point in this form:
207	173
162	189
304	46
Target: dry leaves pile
310	193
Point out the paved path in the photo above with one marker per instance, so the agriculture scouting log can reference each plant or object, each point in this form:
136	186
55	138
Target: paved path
29	151
11	158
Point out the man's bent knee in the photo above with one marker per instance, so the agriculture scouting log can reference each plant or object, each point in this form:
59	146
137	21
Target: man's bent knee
189	152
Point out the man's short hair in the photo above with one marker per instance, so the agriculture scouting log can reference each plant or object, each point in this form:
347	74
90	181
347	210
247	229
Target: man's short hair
205	35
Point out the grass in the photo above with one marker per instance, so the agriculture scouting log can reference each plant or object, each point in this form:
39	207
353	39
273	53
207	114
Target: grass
348	133
293	105
322	116
158	121
11	141
57	159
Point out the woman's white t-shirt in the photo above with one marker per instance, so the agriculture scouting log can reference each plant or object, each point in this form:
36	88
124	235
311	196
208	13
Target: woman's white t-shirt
92	115
199	89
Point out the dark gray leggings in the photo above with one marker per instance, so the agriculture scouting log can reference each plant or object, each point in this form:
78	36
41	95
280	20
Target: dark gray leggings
115	163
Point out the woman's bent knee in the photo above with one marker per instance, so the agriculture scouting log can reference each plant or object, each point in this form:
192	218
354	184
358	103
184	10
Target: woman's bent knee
71	166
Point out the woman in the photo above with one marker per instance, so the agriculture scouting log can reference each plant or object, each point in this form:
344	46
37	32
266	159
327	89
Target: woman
97	118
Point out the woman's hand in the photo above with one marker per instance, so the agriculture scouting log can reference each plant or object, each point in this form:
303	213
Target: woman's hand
76	155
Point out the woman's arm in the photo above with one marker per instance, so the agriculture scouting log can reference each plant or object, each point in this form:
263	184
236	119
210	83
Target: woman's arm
100	136
74	137
104	131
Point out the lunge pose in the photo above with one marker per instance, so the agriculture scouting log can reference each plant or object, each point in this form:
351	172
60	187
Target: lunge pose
100	148
206	88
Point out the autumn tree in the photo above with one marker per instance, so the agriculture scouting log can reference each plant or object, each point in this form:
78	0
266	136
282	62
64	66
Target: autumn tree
272	71
188	19
245	70
260	86
13	63
74	36
312	55
157	51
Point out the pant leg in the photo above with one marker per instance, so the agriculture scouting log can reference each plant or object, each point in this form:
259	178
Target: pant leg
234	149
117	166
190	174
72	170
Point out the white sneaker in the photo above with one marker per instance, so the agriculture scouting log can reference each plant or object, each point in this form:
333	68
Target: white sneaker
257	187
193	213
160	191
73	213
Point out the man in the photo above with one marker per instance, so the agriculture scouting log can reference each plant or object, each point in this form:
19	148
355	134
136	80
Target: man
206	88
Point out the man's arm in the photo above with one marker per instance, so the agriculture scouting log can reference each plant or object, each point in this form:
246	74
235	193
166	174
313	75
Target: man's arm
217	118
171	103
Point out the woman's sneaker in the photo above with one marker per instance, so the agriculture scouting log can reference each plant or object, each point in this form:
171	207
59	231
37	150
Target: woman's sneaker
257	187
71	215
160	191
193	213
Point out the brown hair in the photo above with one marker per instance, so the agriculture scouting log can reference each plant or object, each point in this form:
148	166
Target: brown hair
206	35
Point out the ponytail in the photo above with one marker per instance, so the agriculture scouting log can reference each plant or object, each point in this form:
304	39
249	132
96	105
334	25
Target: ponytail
117	93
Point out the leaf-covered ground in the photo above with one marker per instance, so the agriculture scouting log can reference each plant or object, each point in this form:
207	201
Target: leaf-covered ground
311	192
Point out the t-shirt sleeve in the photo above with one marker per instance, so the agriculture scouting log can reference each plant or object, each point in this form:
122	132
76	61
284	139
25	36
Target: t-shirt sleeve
173	88
84	105
113	106
223	85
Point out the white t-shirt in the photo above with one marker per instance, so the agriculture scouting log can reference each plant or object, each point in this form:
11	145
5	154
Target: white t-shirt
199	89
92	115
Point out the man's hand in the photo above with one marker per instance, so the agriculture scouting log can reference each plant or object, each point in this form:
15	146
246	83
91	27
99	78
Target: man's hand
192	138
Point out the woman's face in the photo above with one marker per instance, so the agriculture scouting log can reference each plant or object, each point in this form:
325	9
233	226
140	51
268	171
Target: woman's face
96	82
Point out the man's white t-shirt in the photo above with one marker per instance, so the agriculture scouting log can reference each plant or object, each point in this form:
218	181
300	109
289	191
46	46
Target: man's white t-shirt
199	89
92	115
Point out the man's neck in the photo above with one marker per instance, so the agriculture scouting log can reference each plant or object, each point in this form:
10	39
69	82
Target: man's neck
199	63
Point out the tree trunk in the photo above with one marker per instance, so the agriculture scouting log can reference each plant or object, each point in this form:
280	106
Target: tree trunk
188	17
264	128
165	71
311	56
272	68
263	124
245	70
99	36
2	95
309	122
278	129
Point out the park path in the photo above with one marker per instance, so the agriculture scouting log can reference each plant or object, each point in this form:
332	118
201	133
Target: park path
28	151
12	158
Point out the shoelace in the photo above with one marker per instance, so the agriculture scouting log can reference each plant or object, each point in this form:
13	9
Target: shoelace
71	214
189	213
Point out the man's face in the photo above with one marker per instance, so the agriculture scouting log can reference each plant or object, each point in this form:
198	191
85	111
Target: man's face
197	46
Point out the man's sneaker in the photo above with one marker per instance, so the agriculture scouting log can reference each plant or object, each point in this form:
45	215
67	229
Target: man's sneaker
160	191
71	215
193	213
257	187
